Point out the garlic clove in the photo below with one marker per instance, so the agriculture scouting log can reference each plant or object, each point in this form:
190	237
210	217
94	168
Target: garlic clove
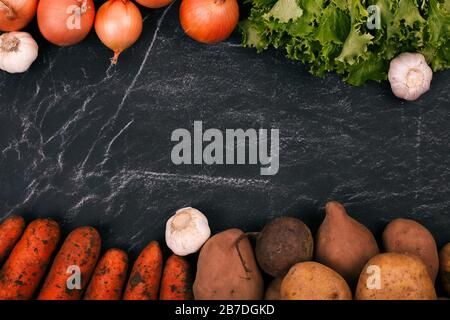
18	51
187	231
410	76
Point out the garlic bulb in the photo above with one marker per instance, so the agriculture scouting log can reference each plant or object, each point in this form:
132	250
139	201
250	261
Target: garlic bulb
410	76
187	231
18	50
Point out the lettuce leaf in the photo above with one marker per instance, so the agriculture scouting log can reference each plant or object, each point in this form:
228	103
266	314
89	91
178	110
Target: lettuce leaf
284	11
355	47
333	35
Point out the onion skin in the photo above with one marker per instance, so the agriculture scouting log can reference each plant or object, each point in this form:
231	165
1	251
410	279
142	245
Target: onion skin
209	21
16	14
154	4
118	25
53	18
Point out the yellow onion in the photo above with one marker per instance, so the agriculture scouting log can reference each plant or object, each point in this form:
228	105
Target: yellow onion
65	22
154	4
16	14
118	24
209	21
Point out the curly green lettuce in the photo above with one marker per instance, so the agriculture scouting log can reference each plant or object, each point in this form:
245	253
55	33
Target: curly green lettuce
333	35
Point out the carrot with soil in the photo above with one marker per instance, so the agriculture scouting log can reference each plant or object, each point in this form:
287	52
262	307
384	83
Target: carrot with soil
25	267
10	231
176	281
80	249
109	277
146	275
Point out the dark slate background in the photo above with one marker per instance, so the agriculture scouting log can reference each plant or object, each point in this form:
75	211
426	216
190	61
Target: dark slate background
89	144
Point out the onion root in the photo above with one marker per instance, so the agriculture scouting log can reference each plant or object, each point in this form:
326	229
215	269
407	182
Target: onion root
116	57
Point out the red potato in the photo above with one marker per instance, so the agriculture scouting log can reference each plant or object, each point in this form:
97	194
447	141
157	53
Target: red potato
283	242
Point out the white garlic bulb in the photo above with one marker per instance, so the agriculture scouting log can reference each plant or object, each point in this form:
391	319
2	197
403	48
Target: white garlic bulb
410	76
18	50
187	231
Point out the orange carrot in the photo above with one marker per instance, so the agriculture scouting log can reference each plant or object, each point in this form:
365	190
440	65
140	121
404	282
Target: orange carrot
10	231
25	267
109	277
81	250
146	275
176	281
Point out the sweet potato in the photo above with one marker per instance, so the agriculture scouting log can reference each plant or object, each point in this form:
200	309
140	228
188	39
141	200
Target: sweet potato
395	276
273	291
408	236
224	273
109	277
176	283
146	275
344	244
314	281
23	270
80	249
10	231
444	258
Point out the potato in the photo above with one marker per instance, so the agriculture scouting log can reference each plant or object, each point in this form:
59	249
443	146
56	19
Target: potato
282	243
395	276
273	290
314	281
222	275
408	236
444	258
344	244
